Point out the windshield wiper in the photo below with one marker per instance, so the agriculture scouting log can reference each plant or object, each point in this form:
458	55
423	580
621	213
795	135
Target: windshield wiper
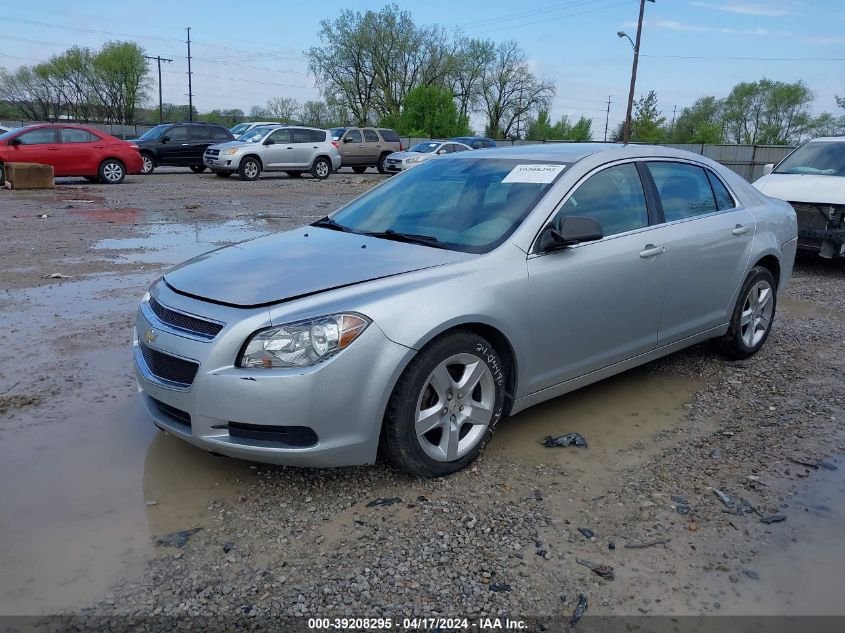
327	223
411	238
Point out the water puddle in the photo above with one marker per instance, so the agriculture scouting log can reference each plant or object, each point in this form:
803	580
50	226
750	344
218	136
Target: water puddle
804	309
615	416
174	243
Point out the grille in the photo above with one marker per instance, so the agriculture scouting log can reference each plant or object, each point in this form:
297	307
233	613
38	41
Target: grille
294	436
810	216
180	416
205	329
169	367
212	152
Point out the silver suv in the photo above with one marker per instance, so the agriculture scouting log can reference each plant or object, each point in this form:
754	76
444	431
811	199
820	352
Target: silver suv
291	149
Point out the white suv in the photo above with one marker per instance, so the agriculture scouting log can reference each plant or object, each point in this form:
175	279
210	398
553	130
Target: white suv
291	149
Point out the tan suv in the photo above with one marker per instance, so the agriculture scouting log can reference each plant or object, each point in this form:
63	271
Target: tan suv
362	147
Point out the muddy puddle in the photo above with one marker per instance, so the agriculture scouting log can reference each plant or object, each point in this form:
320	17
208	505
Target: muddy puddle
171	243
618	417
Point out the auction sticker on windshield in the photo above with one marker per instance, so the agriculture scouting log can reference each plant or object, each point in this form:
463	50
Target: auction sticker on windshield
533	173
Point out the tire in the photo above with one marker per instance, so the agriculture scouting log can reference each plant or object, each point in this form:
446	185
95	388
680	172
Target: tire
197	169
222	174
112	172
294	174
148	166
2	175
429	394
753	315
359	169
321	168
250	169
380	164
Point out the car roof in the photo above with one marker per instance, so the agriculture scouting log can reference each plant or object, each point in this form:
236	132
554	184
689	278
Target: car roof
837	139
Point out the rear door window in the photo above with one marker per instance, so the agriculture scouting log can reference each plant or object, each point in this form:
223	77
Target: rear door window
301	136
199	134
72	135
370	136
684	190
614	197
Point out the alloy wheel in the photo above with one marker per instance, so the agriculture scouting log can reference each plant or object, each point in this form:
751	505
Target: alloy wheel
455	407
251	170
148	164
756	317
322	169
112	172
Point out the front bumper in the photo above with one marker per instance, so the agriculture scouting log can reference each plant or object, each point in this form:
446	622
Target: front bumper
821	228
222	163
326	415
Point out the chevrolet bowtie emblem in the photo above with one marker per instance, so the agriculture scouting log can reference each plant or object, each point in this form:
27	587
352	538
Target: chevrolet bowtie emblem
150	336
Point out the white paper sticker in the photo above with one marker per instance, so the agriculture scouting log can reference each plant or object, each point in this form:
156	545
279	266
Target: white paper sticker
534	173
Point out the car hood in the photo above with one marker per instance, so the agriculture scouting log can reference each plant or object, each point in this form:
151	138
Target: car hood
803	188
235	144
404	155
292	264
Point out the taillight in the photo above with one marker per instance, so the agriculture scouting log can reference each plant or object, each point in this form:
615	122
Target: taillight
401	149
336	146
133	146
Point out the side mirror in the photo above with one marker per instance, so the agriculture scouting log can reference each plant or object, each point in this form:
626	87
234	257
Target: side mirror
15	141
269	141
570	230
347	140
768	168
441	151
165	139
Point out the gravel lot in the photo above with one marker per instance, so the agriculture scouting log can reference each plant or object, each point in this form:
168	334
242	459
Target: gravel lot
92	487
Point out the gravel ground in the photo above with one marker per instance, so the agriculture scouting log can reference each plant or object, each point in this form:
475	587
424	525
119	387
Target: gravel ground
501	538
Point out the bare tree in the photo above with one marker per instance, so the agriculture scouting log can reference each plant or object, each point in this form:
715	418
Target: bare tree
284	108
472	57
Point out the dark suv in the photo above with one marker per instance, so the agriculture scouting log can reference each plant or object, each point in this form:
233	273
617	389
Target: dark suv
179	145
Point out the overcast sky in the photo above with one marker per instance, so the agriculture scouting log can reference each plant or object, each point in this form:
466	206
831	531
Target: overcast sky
246	53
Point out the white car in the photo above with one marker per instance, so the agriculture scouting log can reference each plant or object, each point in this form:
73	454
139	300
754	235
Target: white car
812	180
420	153
243	128
3	130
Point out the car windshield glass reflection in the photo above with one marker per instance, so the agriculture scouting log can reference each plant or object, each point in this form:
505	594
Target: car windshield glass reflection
154	133
818	158
467	205
254	135
424	148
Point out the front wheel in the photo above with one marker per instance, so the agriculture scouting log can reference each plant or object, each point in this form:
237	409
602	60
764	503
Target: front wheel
2	175
380	166
250	169
752	317
445	406
148	166
321	168
197	169
112	172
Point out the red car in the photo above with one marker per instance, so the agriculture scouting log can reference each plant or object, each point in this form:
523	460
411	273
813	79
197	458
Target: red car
72	150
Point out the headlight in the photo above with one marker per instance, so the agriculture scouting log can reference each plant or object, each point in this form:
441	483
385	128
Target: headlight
302	343
231	151
413	159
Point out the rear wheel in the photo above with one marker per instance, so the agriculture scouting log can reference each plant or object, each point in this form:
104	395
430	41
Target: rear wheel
2	175
197	169
250	169
359	169
321	168
380	165
445	406
752	317
112	171
149	164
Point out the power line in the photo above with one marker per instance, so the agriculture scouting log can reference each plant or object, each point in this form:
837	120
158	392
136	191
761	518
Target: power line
753	59
554	19
509	16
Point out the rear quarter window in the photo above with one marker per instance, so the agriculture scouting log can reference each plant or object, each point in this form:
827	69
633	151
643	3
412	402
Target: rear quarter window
684	189
724	199
390	136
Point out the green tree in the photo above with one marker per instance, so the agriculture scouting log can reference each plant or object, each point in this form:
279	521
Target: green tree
228	117
431	111
647	121
541	128
119	77
827	124
767	112
700	123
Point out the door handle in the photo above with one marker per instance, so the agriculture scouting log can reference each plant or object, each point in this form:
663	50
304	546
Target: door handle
652	251
739	229
289	147
315	147
53	149
185	144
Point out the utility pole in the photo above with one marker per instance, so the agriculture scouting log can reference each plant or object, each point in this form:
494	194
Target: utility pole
672	126
159	59
607	119
627	133
190	91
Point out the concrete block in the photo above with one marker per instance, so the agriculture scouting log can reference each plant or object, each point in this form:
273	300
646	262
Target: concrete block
29	176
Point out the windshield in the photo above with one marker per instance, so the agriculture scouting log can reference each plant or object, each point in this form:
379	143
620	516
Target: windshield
424	148
151	135
239	129
7	134
819	158
337	132
254	135
470	205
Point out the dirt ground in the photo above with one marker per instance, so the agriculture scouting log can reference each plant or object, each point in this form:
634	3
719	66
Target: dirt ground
89	485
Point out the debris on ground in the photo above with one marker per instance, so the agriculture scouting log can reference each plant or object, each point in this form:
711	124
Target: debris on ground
228	547
605	571
753	575
569	439
379	502
801	462
56	276
499	586
578	613
587	532
177	539
643	544
773	518
724	498
827	465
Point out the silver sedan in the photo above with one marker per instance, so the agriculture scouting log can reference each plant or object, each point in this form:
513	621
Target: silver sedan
462	291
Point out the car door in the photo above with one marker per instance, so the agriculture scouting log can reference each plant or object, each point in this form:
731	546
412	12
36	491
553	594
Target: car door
175	144
372	146
37	146
80	152
199	138
709	246
278	150
304	147
598	303
353	147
